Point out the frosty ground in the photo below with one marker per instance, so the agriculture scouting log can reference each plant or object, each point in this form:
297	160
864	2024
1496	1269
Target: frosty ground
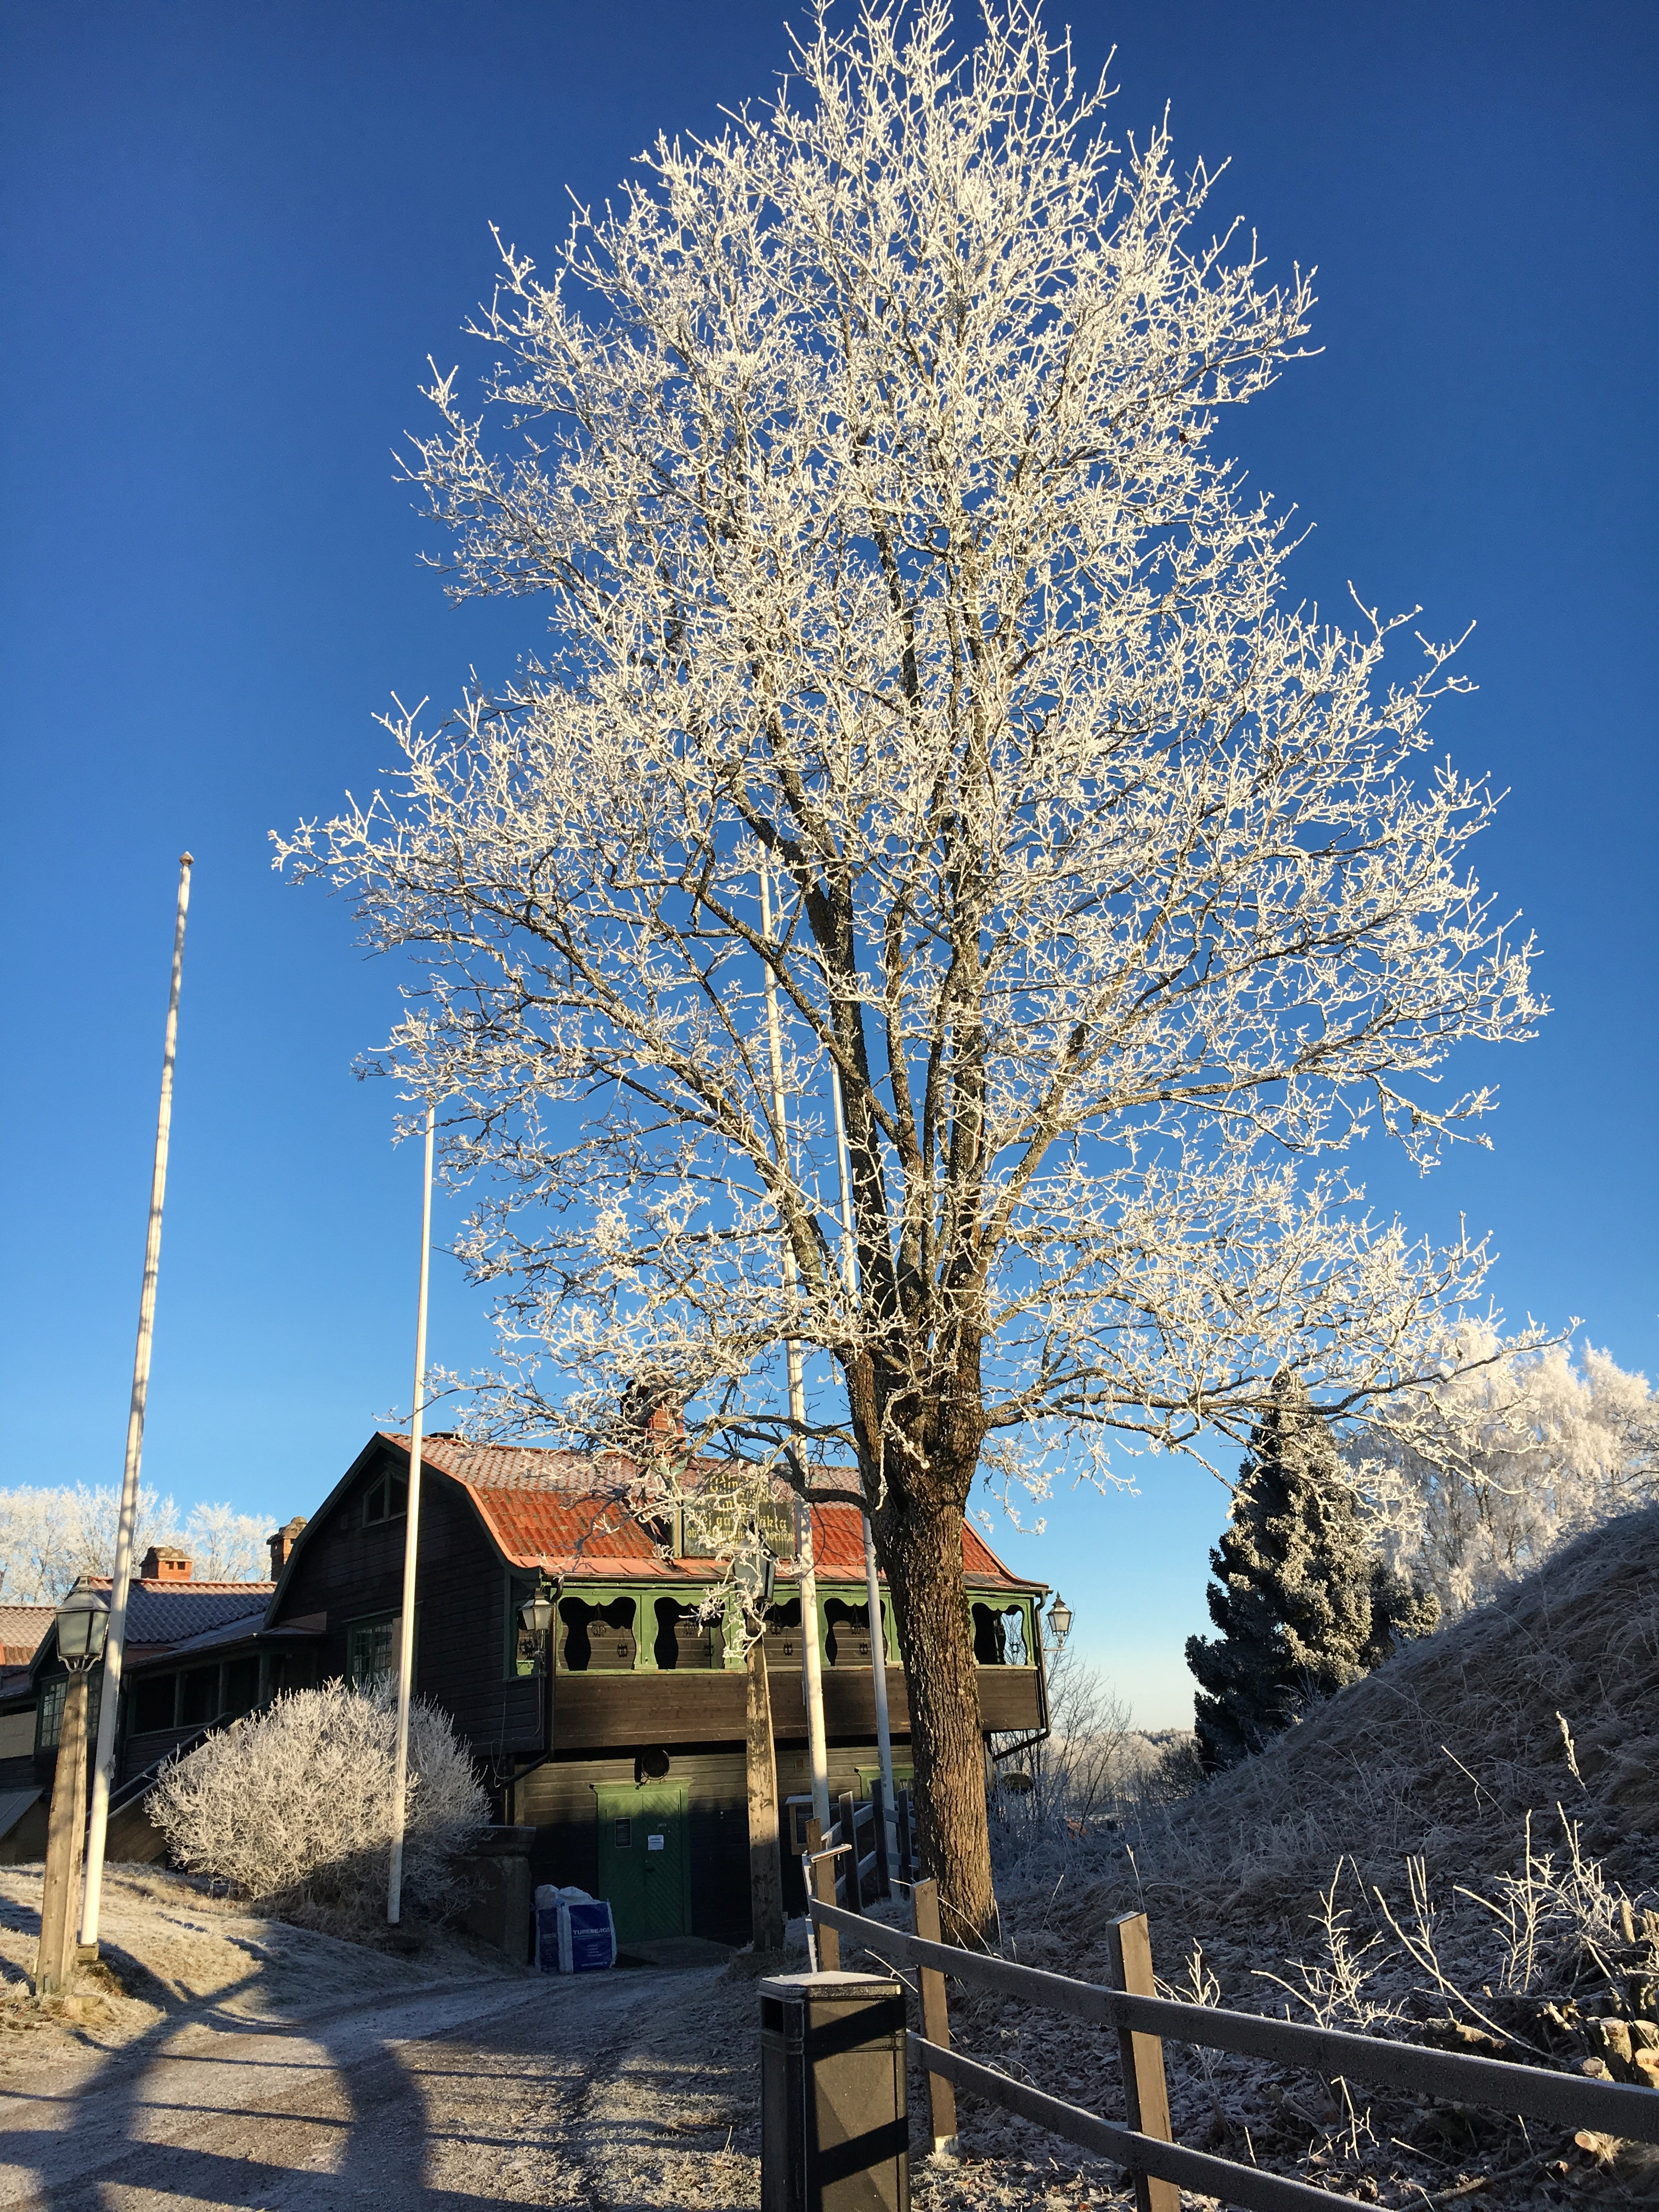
1461	1849
231	2061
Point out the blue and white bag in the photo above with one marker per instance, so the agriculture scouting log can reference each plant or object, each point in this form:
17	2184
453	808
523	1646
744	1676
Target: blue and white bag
574	1932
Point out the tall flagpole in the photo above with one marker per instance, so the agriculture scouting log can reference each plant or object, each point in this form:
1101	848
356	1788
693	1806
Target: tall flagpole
104	1766
811	1660
394	1897
871	1584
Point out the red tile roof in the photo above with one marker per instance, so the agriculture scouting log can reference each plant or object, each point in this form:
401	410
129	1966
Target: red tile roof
21	1629
566	1514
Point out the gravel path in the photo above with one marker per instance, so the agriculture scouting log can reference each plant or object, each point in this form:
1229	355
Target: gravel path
630	2092
556	2093
223	2061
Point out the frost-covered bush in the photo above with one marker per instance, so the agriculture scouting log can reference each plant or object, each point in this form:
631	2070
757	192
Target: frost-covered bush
1081	1781
292	1808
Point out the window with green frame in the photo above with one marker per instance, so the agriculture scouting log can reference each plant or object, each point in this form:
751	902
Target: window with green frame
372	1649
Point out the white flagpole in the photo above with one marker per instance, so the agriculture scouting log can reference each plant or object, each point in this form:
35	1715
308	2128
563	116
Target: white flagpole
871	1583
811	1660
394	1899
104	1766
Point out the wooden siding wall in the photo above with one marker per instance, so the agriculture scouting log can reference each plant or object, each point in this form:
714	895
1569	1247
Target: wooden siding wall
349	1571
138	1752
559	1799
601	1711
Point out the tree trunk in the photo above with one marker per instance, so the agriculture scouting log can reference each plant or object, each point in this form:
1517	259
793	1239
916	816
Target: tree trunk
920	1544
765	1873
60	1897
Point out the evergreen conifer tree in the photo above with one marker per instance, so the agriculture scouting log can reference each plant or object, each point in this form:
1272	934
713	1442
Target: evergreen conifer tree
1401	1609
1292	1594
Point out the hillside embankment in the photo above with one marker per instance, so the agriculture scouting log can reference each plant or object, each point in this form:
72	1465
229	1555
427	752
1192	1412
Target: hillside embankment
1460	1848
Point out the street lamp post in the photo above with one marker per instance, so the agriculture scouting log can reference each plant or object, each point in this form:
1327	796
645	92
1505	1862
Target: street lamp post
82	1625
753	1578
537	1618
1059	1620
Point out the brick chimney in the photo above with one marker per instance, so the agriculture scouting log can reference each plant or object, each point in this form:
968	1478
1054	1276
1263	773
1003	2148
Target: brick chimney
162	1564
655	1412
282	1542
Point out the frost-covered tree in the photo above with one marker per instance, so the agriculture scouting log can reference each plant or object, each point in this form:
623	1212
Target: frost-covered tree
292	1806
1302	1605
50	1533
1474	1478
916	653
226	1545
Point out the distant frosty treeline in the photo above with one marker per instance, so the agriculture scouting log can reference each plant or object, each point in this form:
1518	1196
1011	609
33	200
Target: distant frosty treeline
1477	1478
51	1533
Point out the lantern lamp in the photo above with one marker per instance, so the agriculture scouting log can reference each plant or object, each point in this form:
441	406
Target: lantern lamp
537	1613
753	1573
82	1625
1059	1620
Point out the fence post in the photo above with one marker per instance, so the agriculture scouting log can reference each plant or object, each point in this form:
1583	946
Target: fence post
849	1835
935	2018
822	1884
907	1848
884	1865
1145	2095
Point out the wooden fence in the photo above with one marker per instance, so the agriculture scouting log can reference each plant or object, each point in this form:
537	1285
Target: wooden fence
885	1854
1143	2142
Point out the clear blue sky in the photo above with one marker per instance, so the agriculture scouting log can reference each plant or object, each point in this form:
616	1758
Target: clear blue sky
231	236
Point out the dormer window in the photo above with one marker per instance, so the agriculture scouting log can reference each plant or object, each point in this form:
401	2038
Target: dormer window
387	1498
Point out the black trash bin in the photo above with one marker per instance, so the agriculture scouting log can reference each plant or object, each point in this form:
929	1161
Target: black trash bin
835	2130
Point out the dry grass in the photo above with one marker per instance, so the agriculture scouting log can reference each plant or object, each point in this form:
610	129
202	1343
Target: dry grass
1463	1848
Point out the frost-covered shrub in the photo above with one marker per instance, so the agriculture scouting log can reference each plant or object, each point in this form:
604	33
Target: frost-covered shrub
292	1808
1084	1779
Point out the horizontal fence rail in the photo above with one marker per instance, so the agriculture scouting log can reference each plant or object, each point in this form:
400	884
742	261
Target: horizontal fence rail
1243	2185
1569	2100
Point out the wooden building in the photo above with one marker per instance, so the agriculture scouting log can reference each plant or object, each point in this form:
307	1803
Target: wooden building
192	1662
23	1628
627	1757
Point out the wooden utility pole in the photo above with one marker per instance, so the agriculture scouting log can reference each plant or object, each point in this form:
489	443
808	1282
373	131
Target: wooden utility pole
871	1583
765	1868
54	1962
394	1896
104	1767
811	1660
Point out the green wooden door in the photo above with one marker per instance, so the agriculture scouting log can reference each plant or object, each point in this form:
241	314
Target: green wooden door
645	1867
